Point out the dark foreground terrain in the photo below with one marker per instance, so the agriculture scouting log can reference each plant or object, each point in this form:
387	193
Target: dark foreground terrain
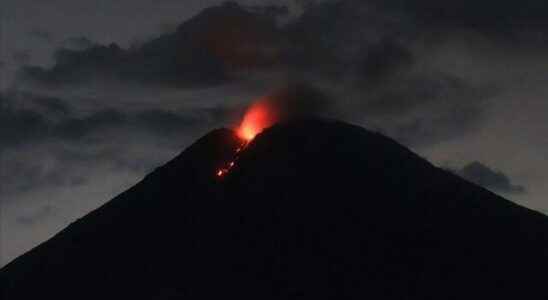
312	210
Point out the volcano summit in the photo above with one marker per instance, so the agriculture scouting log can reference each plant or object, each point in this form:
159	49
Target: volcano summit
312	209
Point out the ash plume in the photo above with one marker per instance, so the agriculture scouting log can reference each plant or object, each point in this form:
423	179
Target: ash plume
298	100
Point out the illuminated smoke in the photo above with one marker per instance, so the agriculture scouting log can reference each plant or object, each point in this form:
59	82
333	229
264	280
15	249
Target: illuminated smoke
260	115
291	102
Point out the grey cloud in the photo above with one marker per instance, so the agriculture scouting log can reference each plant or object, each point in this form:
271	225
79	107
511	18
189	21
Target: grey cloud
20	175
362	42
370	36
384	59
36	216
444	124
168	26
41	35
30	118
481	174
22	56
38	152
299	100
198	53
21	100
73	66
19	125
157	66
79	128
79	43
404	93
378	48
371	44
202	51
491	17
51	106
165	122
32	122
422	109
155	122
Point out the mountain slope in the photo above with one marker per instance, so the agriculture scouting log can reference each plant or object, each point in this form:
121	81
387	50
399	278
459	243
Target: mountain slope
313	209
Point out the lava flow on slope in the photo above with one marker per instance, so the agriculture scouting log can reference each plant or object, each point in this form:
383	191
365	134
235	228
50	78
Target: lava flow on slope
259	115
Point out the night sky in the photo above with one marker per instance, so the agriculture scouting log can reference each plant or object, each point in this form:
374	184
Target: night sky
96	94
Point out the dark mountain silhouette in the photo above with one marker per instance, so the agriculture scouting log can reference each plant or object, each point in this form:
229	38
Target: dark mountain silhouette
312	210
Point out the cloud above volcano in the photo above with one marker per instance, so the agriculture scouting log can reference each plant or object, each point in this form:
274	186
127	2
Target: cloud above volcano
481	174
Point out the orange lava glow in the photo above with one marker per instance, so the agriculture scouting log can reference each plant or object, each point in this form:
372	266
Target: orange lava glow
258	117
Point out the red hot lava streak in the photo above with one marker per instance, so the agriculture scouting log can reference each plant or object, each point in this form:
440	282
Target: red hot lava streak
258	116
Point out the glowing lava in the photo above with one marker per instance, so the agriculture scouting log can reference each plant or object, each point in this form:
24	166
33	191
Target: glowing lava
258	117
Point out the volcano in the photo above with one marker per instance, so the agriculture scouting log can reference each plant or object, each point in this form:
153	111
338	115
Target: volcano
312	209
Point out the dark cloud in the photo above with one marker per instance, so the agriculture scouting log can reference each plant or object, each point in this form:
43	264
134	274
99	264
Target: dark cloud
200	52
37	123
329	39
19	125
29	122
401	94
48	106
41	35
21	176
106	63
378	48
22	57
168	26
372	38
156	122
421	110
51	106
26	118
445	124
369	45
79	43
384	59
73	66
165	122
492	16
481	174
502	20
298	100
